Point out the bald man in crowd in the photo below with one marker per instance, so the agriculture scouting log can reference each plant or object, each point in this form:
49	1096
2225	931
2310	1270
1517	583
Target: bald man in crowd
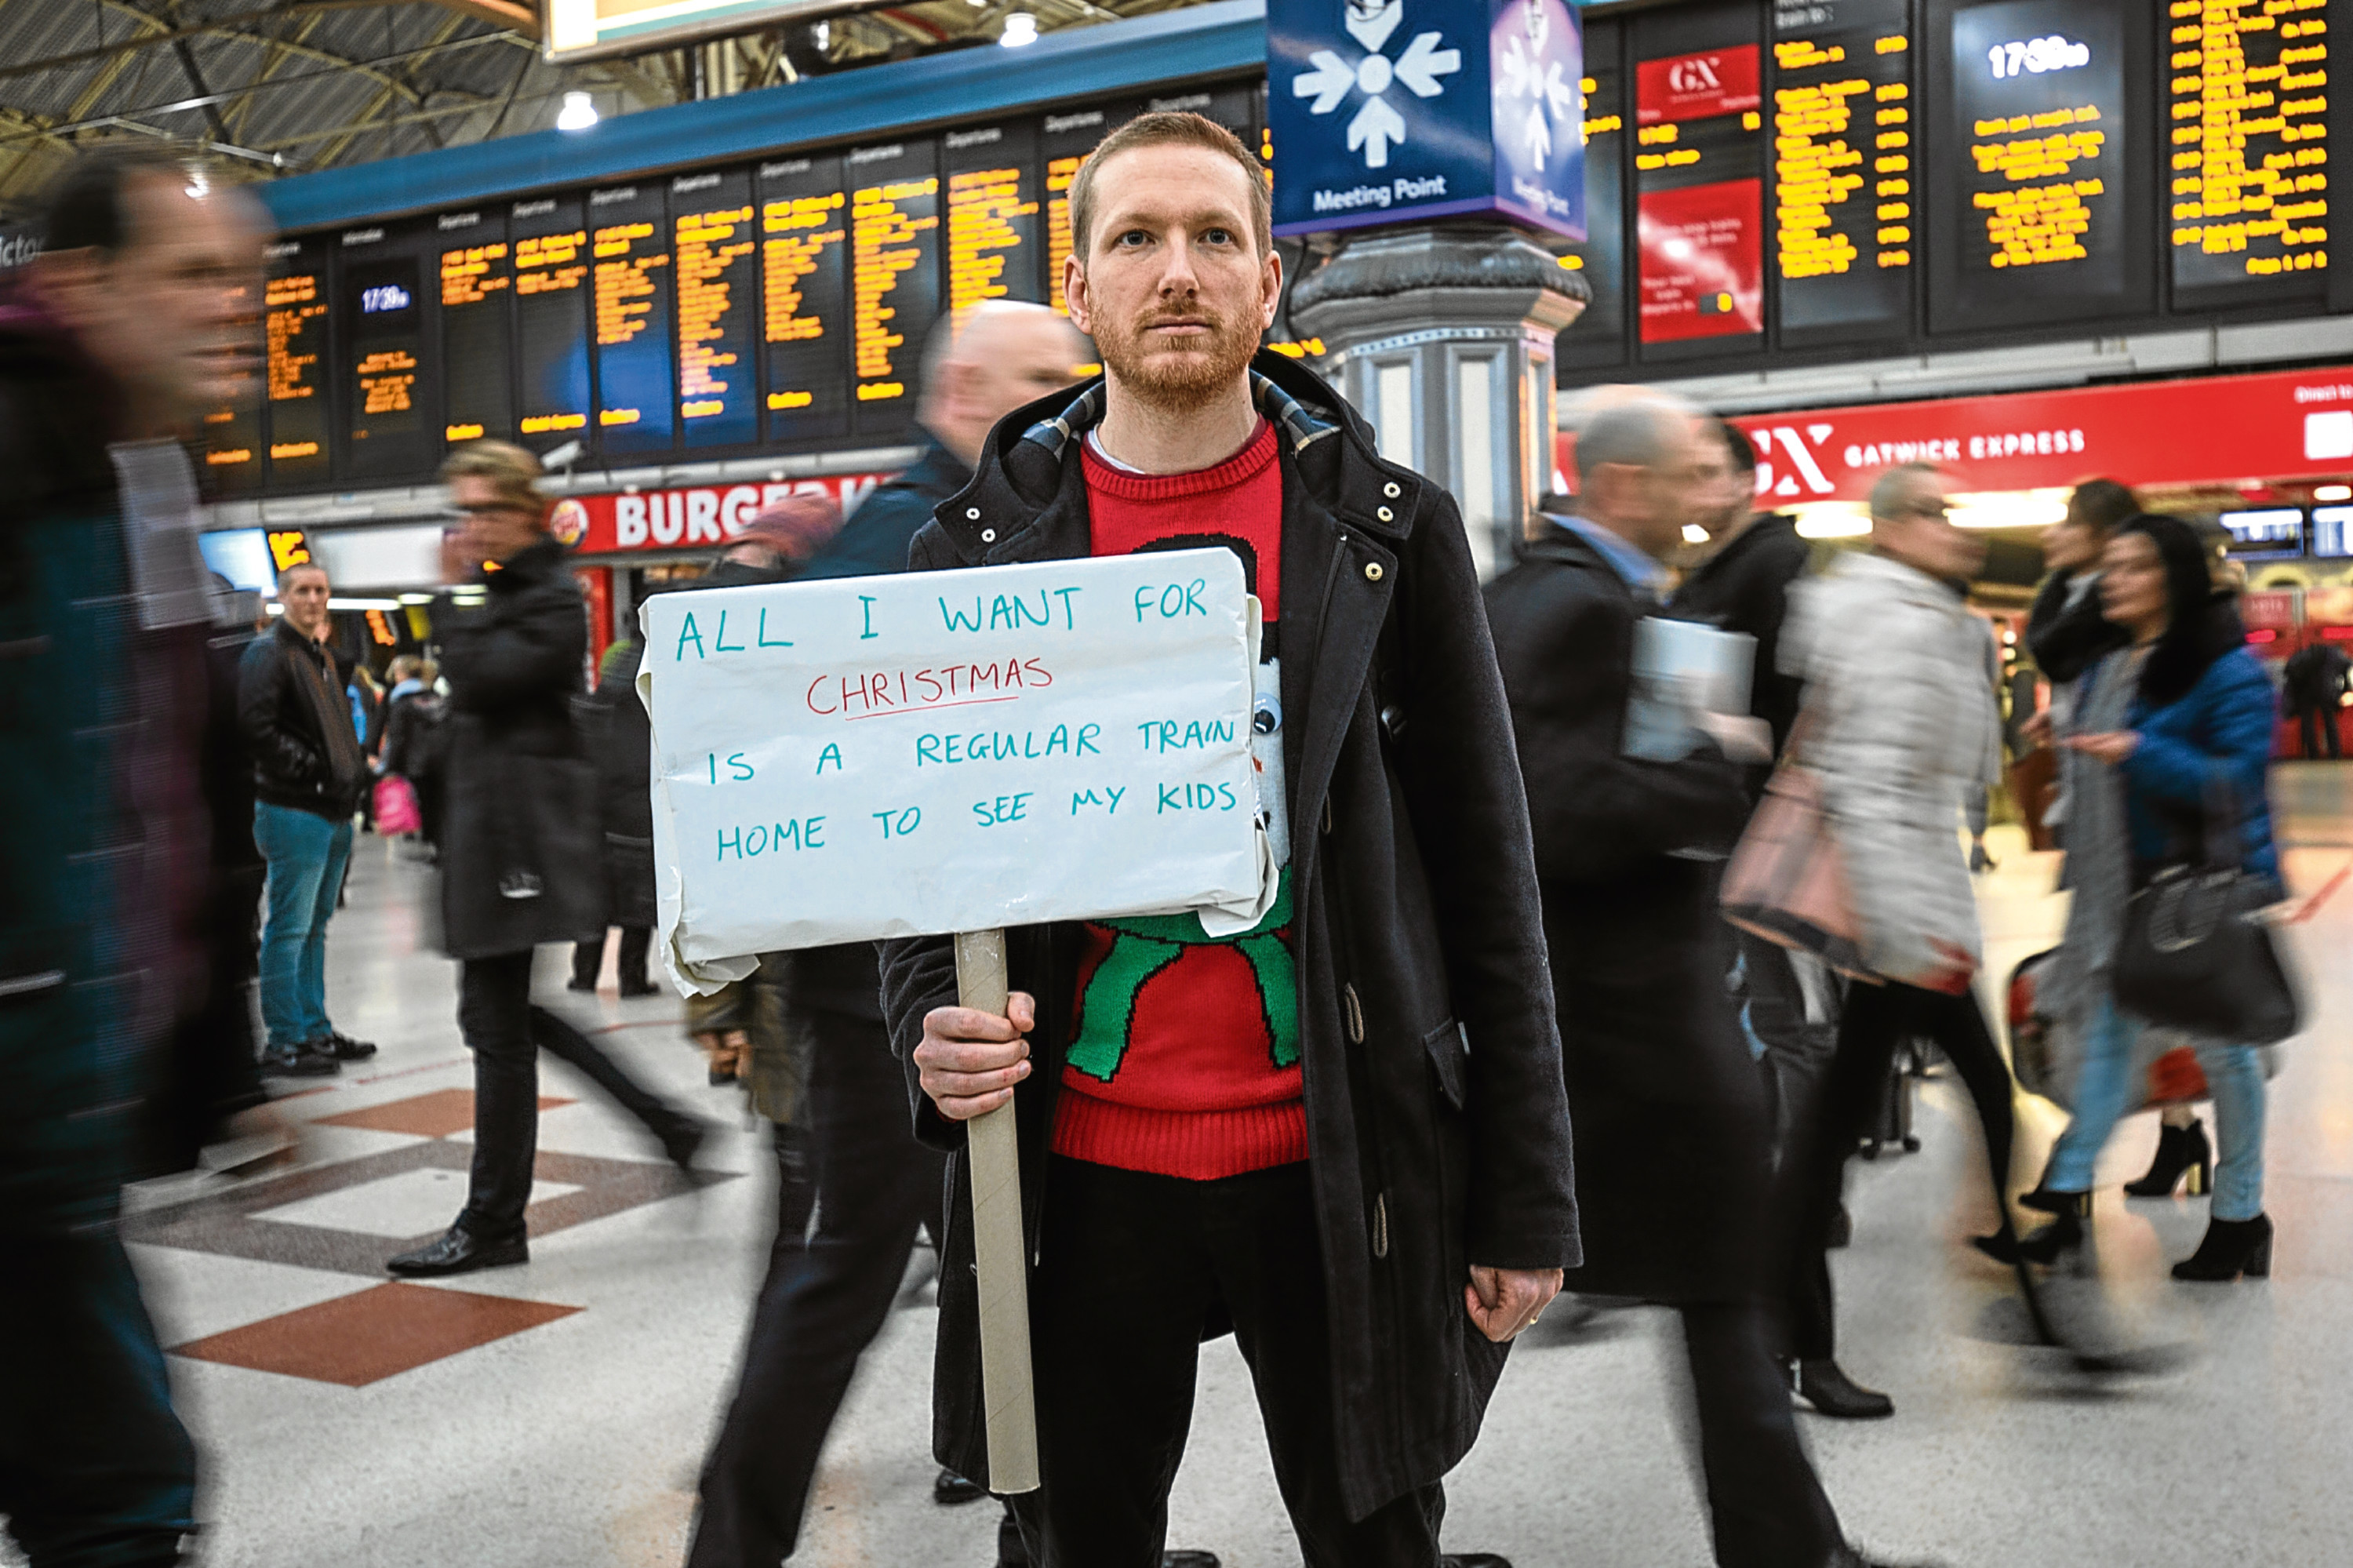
981	364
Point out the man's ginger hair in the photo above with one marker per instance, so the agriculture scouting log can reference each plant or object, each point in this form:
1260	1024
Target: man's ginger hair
1171	129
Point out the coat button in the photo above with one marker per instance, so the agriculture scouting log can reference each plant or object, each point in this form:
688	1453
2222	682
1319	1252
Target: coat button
1372	571
988	535
1391	489
972	513
1386	515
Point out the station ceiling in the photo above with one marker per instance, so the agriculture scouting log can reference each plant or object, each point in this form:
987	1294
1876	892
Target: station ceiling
263	89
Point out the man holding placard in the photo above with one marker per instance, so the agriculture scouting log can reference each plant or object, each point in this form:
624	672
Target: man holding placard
1339	1129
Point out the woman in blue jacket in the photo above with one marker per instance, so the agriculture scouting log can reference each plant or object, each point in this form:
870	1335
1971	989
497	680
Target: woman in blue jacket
2172	737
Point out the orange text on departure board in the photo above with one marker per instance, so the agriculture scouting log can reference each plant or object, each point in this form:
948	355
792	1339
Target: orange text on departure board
292	305
2250	134
715	253
982	206
885	242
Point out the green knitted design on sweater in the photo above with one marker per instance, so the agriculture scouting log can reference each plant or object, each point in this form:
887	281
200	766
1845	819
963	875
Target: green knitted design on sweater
1143	947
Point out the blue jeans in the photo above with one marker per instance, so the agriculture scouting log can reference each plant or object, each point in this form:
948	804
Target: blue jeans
306	855
2233	1074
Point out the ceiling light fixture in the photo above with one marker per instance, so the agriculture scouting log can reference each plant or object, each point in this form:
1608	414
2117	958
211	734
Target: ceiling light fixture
1021	28
578	113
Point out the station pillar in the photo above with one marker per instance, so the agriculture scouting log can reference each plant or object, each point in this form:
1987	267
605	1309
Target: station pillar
1441	335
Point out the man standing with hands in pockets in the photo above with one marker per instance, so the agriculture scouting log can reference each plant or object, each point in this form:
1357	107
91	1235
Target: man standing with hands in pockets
1349	1140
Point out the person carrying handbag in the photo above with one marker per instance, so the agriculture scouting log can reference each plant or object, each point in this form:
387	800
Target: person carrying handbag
2171	732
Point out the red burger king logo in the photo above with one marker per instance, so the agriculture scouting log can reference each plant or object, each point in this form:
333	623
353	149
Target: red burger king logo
568	522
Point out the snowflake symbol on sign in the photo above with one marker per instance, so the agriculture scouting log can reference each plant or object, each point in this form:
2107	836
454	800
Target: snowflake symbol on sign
1376	125
1527	74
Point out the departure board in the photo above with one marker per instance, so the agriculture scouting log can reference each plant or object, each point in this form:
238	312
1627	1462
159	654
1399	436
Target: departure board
629	237
228	443
2248	174
295	329
992	189
715	246
894	278
551	316
385	388
2038	171
1597	336
1064	142
1843	145
477	287
805	298
1699	198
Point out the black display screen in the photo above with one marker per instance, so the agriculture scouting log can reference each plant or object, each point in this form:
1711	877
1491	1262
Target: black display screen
992	207
553	380
1845	147
1598	336
716	249
477	287
2041	173
805	296
296	323
894	278
384	376
1064	144
2247	174
628	236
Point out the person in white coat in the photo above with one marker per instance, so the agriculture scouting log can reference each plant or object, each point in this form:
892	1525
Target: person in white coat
1900	723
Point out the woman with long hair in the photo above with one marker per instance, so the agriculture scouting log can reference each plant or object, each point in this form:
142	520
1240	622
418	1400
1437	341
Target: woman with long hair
2171	737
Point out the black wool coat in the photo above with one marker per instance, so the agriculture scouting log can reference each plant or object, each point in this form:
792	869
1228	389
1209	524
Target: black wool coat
619	735
1744	586
522	794
1438	1133
1668	1106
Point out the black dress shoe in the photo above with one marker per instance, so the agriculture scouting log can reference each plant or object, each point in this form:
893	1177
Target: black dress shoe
1473	1560
1188	1560
1822	1384
303	1061
1854	1557
2232	1247
640	989
458	1251
579	985
951	1491
343	1048
683	1141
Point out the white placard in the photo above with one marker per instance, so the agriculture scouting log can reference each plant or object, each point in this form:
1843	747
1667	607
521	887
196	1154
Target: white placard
863	757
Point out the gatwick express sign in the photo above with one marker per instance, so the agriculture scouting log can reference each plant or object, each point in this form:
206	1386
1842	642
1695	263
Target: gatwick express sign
1393	110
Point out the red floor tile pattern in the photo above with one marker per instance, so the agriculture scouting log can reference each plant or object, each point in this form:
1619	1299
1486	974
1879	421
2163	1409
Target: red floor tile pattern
435	1114
373	1334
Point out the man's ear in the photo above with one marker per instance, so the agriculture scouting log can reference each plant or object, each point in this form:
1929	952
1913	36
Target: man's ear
1270	288
73	283
1074	295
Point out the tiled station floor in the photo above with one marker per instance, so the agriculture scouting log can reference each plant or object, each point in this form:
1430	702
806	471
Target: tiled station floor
553	1415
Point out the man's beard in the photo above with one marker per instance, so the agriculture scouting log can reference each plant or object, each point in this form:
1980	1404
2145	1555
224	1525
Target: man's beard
1188	378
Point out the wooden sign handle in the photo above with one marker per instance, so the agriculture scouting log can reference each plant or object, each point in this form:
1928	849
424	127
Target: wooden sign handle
993	1154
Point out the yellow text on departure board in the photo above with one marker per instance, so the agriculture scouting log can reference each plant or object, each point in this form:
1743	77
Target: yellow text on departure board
625	292
291	305
713	248
2249	93
885	241
470	276
2042	213
982	206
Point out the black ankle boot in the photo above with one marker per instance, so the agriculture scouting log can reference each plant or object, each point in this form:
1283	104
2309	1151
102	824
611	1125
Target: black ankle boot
2069	1228
2181	1150
2232	1247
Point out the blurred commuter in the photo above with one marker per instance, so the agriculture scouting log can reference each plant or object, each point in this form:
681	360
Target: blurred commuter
805	1033
413	739
519	862
620	741
308	776
2314	685
2066	633
1169	1180
140	315
983	361
1790	999
1900	726
2169	730
1673	1155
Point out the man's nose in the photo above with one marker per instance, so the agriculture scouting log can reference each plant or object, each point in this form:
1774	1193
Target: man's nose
1177	275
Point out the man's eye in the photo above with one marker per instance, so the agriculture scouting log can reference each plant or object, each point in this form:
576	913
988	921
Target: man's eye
1218	237
1133	237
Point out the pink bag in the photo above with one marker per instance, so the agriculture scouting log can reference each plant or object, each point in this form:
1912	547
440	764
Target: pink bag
396	806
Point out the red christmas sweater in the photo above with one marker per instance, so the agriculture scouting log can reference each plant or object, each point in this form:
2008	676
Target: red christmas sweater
1185	1060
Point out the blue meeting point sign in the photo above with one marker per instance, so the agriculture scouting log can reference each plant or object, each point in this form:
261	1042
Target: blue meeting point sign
1393	110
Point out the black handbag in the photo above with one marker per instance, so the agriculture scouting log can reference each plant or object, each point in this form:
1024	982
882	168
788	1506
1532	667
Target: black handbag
2199	955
